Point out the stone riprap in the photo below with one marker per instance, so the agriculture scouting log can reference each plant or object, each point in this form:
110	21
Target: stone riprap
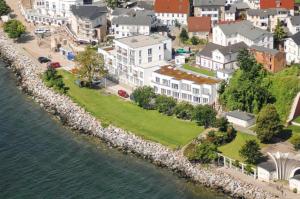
77	118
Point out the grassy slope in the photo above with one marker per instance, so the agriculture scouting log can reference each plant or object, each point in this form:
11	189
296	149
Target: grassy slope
232	149
199	70
284	87
150	125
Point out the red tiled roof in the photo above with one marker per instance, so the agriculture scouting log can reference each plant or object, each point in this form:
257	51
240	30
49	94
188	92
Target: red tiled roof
288	4
172	6
199	24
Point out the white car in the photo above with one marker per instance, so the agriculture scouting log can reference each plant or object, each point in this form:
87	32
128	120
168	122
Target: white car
41	30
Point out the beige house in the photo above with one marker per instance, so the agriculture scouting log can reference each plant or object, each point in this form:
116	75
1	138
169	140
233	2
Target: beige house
88	23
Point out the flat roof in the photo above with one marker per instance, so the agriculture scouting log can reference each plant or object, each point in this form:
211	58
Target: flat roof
143	40
269	166
181	75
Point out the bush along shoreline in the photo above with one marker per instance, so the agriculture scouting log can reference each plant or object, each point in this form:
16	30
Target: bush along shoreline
29	79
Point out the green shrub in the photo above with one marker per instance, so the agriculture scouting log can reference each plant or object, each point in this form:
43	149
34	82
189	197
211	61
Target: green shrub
144	97
295	190
14	28
205	153
248	169
53	80
296	142
204	115
184	110
222	124
251	152
165	104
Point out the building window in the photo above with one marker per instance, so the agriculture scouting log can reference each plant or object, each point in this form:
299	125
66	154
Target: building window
150	51
165	82
149	59
163	91
168	92
175	94
175	86
185	87
196	91
183	96
205	100
157	80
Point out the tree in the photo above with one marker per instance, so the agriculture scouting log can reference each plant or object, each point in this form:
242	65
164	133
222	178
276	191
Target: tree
195	40
112	3
205	153
4	8
296	142
251	152
279	32
165	104
184	110
204	115
222	124
53	80
91	65
268	124
144	97
183	35
14	28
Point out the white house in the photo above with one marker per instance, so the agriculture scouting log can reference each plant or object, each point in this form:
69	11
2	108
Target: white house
267	19
241	31
138	23
253	4
88	23
214	9
240	118
220	58
133	59
184	86
169	12
294	183
293	24
266	171
292	48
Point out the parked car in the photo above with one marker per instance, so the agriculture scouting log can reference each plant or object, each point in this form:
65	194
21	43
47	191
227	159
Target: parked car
44	60
54	65
123	93
42	30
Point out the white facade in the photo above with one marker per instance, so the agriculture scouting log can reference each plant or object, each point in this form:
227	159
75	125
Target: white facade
265	175
293	28
133	59
238	34
53	12
183	89
124	30
253	4
170	19
240	118
216	13
294	184
267	19
292	50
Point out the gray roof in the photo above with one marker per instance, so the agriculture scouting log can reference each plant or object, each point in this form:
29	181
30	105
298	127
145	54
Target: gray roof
225	50
88	11
122	11
296	177
235	48
264	49
244	28
207	50
241	5
145	4
199	3
240	115
266	12
143	40
295	20
269	166
130	20
296	38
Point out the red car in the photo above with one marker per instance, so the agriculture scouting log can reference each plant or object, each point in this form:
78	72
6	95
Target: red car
123	93
54	65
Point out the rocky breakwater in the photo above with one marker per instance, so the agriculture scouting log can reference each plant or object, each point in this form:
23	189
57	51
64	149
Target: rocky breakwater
78	119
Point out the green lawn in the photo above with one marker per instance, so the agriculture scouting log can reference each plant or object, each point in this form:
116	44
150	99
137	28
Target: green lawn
150	125
297	119
232	149
199	70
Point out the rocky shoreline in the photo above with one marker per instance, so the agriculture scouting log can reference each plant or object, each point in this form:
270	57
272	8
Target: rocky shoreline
78	119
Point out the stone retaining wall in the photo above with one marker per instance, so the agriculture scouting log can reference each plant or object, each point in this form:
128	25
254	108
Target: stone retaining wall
78	119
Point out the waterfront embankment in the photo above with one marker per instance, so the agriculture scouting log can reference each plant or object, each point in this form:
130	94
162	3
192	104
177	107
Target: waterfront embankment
77	118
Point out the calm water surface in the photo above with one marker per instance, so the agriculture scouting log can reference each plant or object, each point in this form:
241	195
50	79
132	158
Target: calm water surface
39	158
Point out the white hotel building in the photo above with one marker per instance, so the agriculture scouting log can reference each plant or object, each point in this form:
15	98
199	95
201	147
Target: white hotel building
132	60
184	86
